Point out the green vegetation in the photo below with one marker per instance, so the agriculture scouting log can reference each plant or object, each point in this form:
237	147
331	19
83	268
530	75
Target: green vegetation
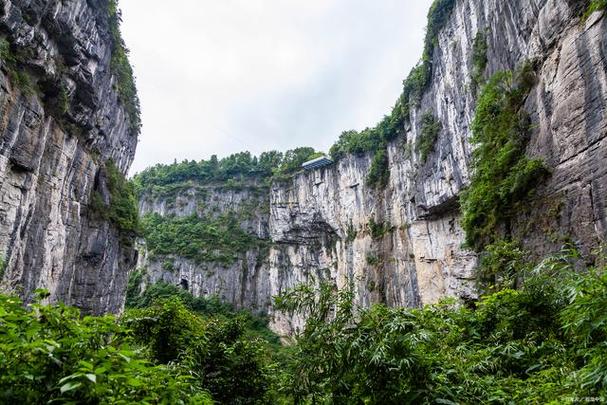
221	357
205	306
210	239
168	265
5	51
133	288
373	260
12	62
430	130
501	265
168	351
379	172
351	233
123	210
375	140
137	299
3	265
165	179
479	59
370	139
51	354
503	177
377	230
122	69
595	5
544	343
50	89
420	76
232	170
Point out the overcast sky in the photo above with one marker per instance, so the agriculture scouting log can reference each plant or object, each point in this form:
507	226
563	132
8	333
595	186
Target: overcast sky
223	76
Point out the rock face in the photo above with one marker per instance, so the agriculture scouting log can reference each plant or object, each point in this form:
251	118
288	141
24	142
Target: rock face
53	157
402	245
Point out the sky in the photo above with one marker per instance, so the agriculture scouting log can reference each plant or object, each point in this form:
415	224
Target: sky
225	76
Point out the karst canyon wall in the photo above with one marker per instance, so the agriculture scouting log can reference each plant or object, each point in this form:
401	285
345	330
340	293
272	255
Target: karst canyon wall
63	123
68	123
403	244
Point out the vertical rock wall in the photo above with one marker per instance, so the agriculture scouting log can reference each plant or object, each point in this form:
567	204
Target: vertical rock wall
51	163
402	245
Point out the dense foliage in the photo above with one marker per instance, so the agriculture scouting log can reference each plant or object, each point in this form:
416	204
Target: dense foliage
379	172
479	59
503	176
544	343
210	239
50	353
3	265
237	167
173	349
122	69
430	129
210	306
218	351
123	209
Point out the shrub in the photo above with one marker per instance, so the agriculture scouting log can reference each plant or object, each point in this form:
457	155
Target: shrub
351	233
501	264
543	343
123	208
421	75
133	288
502	175
373	260
122	69
371	139
5	51
479	59
430	129
375	140
379	172
378	229
166	180
52	354
161	290
12	61
218	351
293	159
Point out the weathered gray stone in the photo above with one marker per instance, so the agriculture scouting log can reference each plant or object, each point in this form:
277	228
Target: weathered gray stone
49	237
319	222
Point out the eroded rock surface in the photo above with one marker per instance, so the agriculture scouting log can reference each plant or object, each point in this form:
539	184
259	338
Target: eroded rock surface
324	224
51	162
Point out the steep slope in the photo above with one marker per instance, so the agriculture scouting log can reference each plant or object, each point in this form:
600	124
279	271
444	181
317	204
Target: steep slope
68	131
399	240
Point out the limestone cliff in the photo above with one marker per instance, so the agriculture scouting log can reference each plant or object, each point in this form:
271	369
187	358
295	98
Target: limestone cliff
402	244
65	118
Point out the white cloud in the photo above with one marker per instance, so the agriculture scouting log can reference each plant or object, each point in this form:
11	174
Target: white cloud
221	76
